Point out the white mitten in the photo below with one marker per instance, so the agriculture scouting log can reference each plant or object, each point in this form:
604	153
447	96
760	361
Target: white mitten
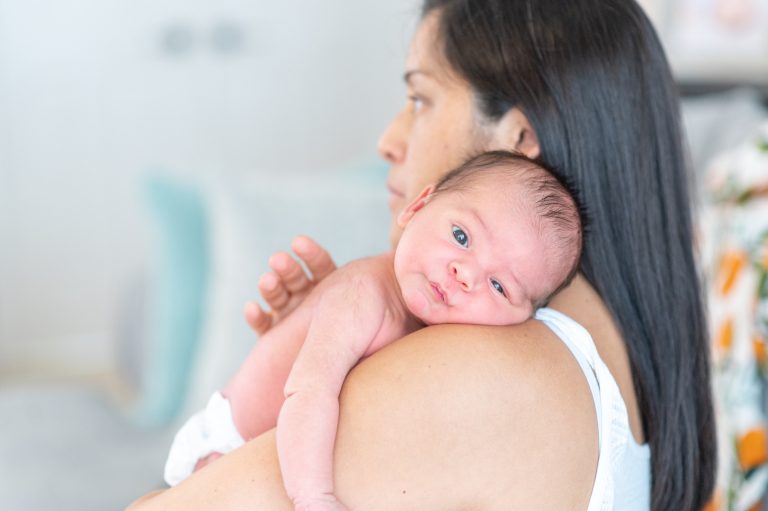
209	430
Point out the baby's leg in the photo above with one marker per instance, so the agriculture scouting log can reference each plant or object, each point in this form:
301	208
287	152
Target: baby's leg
255	392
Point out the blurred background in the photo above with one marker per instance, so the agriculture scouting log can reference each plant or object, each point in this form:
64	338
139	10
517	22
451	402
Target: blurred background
154	153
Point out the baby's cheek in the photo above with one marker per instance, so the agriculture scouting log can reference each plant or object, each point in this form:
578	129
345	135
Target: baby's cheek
417	303
489	315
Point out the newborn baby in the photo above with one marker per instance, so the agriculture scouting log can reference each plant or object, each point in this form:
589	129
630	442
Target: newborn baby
488	244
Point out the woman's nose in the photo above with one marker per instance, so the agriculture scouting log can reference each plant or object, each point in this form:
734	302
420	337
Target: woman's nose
463	275
392	144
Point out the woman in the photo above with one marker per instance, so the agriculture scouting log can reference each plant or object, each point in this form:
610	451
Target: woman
468	417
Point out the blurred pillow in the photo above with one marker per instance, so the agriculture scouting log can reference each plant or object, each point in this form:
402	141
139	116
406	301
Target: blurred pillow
346	211
177	294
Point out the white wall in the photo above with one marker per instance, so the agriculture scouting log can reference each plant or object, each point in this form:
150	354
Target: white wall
714	42
91	101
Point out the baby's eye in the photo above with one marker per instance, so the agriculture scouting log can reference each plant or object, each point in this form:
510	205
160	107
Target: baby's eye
460	236
498	287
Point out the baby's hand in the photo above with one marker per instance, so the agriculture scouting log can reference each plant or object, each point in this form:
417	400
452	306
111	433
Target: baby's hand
207	460
286	286
326	502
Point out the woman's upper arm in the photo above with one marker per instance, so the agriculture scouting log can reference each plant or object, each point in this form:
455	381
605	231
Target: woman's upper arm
450	418
245	479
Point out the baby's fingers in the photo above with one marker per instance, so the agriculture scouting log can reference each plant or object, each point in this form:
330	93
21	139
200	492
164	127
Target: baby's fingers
273	290
259	321
317	259
292	278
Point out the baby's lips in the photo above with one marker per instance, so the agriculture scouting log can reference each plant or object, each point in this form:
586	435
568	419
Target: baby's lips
439	291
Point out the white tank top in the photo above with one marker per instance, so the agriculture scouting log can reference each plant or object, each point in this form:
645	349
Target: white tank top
623	478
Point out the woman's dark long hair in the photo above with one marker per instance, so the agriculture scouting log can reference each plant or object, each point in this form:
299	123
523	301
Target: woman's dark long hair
592	78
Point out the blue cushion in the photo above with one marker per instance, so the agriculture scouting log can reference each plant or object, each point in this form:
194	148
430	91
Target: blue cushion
177	290
250	217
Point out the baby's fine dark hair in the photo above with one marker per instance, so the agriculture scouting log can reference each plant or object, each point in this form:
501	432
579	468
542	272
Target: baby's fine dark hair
550	199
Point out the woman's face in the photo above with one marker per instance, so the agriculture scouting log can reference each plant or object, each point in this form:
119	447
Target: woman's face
436	130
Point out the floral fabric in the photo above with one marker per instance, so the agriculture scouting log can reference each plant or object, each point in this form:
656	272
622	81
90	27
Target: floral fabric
734	232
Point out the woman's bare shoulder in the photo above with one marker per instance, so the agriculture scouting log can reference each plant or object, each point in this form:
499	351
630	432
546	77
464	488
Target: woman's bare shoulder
455	414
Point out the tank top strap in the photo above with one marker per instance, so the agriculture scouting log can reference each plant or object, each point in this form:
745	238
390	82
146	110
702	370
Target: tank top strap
612	420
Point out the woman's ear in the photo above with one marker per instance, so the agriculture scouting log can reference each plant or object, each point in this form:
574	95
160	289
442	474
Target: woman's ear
514	131
418	203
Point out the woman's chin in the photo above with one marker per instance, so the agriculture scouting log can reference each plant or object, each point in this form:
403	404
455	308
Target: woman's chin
395	231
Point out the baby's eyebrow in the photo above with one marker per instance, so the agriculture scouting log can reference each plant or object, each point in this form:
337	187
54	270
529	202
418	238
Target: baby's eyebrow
477	218
476	214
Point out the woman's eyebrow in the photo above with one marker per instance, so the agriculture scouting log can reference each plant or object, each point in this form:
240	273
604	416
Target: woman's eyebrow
408	75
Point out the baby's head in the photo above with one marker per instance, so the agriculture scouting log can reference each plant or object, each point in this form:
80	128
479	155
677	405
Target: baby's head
488	244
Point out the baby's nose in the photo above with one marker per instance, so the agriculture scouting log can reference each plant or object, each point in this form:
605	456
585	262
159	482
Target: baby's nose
463	275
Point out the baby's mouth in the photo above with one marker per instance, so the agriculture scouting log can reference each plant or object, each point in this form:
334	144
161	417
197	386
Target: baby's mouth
438	291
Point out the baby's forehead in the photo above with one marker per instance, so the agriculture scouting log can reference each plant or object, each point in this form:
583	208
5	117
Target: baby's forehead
506	177
516	200
511	191
498	205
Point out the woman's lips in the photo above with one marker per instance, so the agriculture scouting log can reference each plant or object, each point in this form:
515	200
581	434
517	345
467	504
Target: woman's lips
395	196
438	291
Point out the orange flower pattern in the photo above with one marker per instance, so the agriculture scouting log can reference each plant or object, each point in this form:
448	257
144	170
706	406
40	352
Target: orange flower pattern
733	224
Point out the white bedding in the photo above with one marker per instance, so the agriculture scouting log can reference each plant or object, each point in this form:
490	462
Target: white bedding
67	448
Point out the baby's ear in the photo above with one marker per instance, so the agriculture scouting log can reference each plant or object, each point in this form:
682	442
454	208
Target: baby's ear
418	203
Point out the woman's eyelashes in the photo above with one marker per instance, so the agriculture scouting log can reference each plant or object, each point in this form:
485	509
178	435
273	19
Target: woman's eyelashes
417	102
460	236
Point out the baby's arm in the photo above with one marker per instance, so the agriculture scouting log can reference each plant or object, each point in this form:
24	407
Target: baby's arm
255	392
344	325
254	396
